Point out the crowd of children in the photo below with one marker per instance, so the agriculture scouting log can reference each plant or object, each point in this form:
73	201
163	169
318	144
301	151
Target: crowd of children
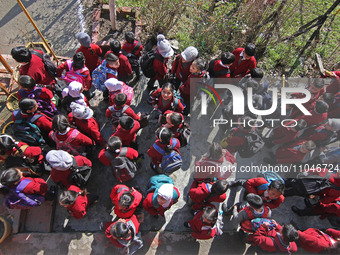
71	131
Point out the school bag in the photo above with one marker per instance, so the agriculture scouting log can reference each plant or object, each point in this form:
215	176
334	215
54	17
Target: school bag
247	225
66	144
127	90
133	60
254	143
270	177
117	113
122	168
171	160
215	74
25	130
74	75
184	134
50	67
157	181
257	222
79	174
66	102
16	199
146	63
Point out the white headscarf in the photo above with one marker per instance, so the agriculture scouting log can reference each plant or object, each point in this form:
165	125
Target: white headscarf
166	191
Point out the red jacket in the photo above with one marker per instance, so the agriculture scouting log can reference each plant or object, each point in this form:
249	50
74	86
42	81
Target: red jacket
116	193
236	140
178	68
329	195
244	67
33	152
36	186
160	68
44	123
218	66
290	153
331	208
150	208
36	69
315	241
155	156
174	129
198	193
62	176
129	47
315	118
334	87
127	136
252	187
190	87
282	135
131	154
88	127
91	57
109	224
128	112
79	207
124	68
334	108
157	99
265	238
200	230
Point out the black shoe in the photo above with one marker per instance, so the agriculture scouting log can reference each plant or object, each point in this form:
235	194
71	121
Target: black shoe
303	212
51	193
186	224
296	210
307	202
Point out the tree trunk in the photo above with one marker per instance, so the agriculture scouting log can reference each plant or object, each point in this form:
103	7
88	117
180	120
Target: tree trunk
112	8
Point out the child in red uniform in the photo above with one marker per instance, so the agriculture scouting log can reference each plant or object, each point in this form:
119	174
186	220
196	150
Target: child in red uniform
32	65
61	163
316	241
124	234
280	239
220	68
284	134
127	201
205	223
318	114
271	193
174	121
181	67
68	138
127	130
115	87
91	51
82	117
165	142
244	61
163	53
76	201
202	193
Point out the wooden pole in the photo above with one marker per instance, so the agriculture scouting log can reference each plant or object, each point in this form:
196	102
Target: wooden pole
112	8
5	64
37	29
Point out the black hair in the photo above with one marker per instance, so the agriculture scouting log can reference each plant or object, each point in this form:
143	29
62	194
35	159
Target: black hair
300	124
126	199
164	134
227	58
318	83
290	233
245	119
6	143
120	99
115	46
254	201
219	187
21	54
256	73
215	151
126	122
26	104
27	82
310	145
321	106
200	64
10	176
119	230
113	144
250	49
68	197
168	85
328	98
111	58
278	185
78	61
211	214
176	118
60	123
130	37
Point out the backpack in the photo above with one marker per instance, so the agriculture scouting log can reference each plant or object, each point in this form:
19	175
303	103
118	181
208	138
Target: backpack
157	181
146	63
116	114
257	222
122	168
80	174
73	75
50	67
66	102
133	60
172	160
215	74
253	144
127	90
25	130
16	199
184	134
270	177
66	145
247	225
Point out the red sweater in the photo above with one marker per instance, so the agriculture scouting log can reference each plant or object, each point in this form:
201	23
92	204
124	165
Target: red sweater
116	193
315	118
30	152
127	136
332	208
236	140
178	68
282	135
131	154
155	156
91	59
79	207
252	187
241	68
62	176
36	186
44	123
290	153
330	195
157	99
334	108
128	112
190	87
218	66
200	230
129	47
36	69
198	193
89	127
334	87
315	241
149	207
124	68
160	68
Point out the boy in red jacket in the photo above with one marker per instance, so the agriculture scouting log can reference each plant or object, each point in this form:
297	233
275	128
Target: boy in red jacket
127	131
244	61
133	48
220	68
316	241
